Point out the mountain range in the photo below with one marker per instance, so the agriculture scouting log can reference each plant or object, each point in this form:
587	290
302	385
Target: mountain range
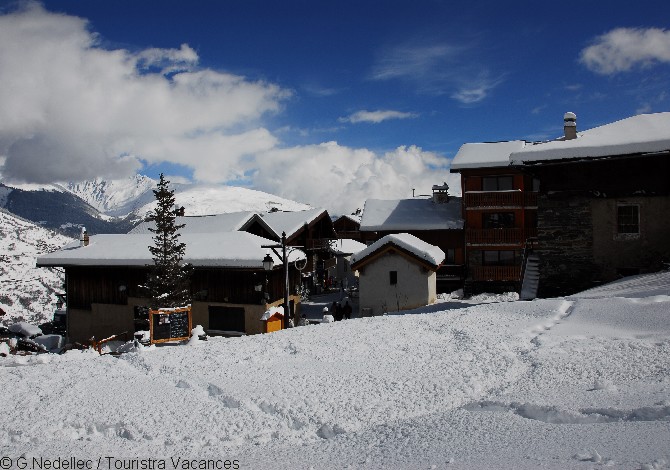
116	206
38	219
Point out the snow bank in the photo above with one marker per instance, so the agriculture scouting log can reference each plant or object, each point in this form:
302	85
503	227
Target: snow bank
496	385
25	329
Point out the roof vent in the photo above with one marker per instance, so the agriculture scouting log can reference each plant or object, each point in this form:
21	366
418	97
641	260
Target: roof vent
570	126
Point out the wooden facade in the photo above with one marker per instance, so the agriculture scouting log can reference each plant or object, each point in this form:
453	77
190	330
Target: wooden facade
115	285
103	301
500	214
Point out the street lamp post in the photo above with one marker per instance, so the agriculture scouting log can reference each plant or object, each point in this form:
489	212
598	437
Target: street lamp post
268	264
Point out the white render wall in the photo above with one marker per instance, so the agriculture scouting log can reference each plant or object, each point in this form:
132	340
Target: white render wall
416	286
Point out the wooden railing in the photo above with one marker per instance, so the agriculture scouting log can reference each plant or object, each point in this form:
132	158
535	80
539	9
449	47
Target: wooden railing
499	236
480	199
495	273
317	243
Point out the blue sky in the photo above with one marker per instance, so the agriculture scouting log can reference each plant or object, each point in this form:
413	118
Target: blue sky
327	103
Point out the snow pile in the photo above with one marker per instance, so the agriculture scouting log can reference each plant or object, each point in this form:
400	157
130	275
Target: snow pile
25	329
271	311
559	383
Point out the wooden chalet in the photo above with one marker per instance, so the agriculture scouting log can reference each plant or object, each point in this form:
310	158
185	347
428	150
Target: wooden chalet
311	230
349	227
230	288
499	207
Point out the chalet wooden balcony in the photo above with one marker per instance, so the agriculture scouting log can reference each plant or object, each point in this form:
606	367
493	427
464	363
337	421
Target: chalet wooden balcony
495	273
498	236
492	199
317	244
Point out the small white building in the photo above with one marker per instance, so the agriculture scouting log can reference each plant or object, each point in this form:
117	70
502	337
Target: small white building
397	272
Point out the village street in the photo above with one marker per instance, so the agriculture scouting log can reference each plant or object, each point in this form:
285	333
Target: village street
313	308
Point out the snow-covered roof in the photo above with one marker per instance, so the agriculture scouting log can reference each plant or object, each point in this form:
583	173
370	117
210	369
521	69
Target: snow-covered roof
225	249
485	154
411	214
431	254
230	222
290	222
345	246
269	313
352	217
644	133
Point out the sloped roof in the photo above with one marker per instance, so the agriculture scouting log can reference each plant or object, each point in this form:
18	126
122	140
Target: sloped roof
223	249
291	222
352	217
425	252
345	246
411	214
485	154
229	222
644	133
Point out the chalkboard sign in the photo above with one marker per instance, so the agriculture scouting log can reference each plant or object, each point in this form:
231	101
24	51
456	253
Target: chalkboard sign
170	324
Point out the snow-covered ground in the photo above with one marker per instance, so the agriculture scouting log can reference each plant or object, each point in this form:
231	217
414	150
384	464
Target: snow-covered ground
580	382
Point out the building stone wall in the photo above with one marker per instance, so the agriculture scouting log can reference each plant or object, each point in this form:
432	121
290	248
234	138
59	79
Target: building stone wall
579	246
565	245
622	254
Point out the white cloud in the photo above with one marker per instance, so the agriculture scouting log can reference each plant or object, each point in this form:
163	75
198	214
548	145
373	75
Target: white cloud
408	61
622	49
376	116
73	110
341	178
437	69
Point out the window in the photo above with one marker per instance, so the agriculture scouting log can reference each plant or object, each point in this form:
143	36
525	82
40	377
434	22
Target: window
393	277
499	258
451	256
628	218
497	183
498	220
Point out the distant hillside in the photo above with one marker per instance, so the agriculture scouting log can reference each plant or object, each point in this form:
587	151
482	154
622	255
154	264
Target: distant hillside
199	199
116	206
61	211
27	293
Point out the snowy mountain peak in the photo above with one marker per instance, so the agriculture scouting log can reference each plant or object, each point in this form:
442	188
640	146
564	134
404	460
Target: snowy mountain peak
111	195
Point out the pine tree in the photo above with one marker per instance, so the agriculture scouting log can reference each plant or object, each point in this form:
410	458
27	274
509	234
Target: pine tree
169	280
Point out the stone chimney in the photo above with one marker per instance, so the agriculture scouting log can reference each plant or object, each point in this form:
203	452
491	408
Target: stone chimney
570	126
441	193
